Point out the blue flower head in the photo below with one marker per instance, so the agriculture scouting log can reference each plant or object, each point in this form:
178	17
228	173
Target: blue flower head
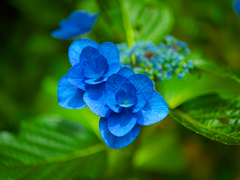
78	23
236	7
123	99
91	64
132	102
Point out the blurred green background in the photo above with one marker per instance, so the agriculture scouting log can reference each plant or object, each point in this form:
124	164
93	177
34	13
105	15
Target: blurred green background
32	62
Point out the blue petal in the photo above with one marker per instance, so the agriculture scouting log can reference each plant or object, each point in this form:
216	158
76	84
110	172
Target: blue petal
76	48
125	71
76	77
69	96
88	69
129	88
144	86
93	55
119	124
65	34
155	110
67	24
87	23
96	80
79	19
124	101
74	20
95	98
120	97
83	19
126	97
115	142
113	68
113	85
110	52
78	23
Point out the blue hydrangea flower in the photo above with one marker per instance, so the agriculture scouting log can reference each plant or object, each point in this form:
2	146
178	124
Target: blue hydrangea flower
78	23
236	7
159	62
84	84
132	102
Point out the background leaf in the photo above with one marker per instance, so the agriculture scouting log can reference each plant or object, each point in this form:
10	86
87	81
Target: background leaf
49	148
161	152
207	77
176	91
213	68
151	19
212	117
145	20
113	16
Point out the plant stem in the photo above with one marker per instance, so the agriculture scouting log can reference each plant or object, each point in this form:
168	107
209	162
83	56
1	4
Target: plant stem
126	22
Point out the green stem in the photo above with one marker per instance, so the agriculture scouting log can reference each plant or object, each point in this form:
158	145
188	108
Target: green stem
126	23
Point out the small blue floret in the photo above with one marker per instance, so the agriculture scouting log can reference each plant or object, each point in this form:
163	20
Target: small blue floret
77	24
160	62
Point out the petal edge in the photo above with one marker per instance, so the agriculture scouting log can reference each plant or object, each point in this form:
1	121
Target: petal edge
76	48
155	110
120	124
69	96
115	142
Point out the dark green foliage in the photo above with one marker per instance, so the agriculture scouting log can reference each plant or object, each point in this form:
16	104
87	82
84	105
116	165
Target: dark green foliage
212	117
213	68
49	148
139	20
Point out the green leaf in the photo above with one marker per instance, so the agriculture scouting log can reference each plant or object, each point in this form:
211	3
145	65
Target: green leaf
212	68
111	12
147	20
49	148
151	19
176	91
161	152
212	117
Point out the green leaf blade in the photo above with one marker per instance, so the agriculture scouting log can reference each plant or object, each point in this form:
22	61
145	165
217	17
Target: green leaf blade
112	14
212	117
212	68
151	20
177	92
51	149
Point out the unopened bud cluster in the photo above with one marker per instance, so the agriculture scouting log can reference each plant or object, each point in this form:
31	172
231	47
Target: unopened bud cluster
160	61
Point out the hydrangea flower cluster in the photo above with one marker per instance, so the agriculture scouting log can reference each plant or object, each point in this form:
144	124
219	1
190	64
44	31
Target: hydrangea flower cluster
159	62
123	99
78	23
